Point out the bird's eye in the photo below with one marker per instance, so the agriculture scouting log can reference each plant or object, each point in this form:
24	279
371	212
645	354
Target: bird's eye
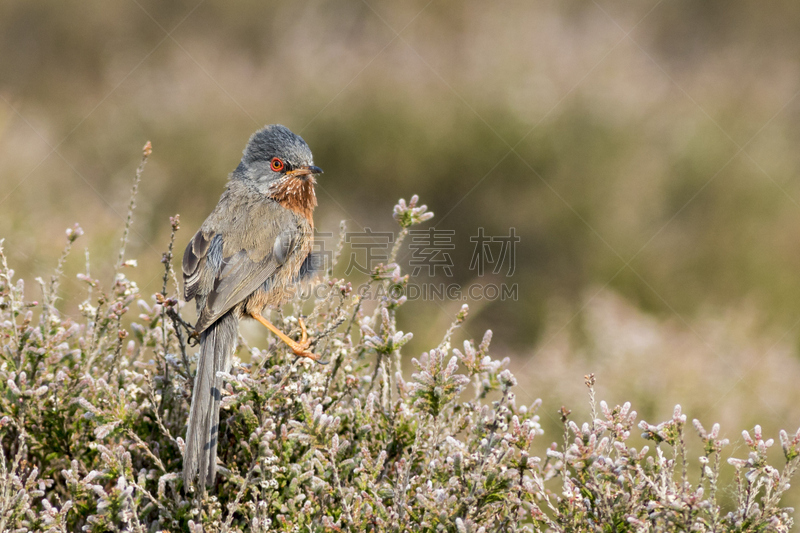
276	164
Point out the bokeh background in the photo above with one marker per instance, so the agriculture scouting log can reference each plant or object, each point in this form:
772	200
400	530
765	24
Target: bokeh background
646	154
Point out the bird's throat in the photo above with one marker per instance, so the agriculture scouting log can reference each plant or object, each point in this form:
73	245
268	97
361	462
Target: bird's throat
297	194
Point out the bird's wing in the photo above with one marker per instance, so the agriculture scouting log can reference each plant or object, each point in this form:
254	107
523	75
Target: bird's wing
193	265
251	257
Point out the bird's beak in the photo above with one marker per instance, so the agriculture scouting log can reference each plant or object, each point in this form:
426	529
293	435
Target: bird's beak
305	171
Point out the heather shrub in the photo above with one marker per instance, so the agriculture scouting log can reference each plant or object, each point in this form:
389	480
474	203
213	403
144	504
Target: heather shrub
94	408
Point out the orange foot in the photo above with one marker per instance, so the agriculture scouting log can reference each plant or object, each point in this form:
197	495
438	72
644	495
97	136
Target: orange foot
300	349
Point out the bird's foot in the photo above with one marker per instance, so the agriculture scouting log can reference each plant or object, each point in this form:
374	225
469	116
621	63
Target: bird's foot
194	338
179	322
301	349
303	330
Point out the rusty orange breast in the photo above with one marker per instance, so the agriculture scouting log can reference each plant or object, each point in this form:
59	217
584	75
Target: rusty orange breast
297	194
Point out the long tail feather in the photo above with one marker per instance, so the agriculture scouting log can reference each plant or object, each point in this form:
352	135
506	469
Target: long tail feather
216	346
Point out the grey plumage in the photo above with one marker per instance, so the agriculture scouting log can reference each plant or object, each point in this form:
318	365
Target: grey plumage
247	255
202	437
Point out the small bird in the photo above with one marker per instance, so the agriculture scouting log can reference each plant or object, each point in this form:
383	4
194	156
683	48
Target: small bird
248	254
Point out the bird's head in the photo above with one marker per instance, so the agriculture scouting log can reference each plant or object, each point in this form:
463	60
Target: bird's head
275	153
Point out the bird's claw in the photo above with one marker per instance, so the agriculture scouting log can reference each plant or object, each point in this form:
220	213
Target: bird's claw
303	331
194	338
300	349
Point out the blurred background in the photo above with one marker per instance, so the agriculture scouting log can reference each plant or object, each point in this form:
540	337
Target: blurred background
645	154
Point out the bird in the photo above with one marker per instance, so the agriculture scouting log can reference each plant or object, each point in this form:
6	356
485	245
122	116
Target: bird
248	255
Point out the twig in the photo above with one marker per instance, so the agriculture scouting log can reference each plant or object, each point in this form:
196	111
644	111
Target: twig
356	309
590	381
143	445
235	504
175	222
159	421
179	323
6	276
167	260
88	276
152	498
328	330
50	294
338	252
146	151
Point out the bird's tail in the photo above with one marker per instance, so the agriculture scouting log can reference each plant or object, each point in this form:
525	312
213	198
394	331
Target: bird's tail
216	346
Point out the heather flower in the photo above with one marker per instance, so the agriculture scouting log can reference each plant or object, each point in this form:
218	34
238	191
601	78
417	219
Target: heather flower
410	214
92	420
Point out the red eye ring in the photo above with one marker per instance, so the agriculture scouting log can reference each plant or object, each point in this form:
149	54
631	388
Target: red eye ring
276	164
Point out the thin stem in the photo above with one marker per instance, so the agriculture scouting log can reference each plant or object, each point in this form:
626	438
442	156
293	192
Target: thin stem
6	276
167	260
146	151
